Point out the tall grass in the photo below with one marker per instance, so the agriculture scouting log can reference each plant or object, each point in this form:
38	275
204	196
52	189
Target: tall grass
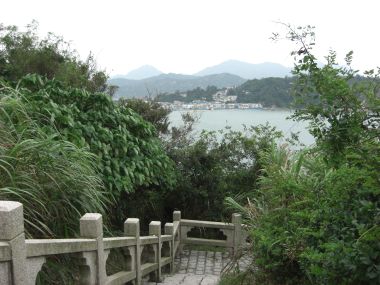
310	223
54	179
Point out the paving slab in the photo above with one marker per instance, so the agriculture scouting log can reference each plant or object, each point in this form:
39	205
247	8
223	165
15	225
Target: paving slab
194	267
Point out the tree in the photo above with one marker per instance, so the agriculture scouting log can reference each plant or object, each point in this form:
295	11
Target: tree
151	111
23	53
343	110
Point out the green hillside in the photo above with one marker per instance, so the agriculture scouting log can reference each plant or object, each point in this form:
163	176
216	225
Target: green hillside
269	92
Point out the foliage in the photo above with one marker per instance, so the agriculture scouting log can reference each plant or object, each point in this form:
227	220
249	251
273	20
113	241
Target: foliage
237	278
315	218
151	111
216	165
55	180
314	224
67	149
181	136
128	151
23	53
344	110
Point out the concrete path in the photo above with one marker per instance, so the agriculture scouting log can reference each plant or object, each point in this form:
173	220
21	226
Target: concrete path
195	267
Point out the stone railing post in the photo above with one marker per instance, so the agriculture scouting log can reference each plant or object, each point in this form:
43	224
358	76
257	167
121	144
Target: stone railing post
132	229
177	218
169	231
91	226
236	220
12	232
155	229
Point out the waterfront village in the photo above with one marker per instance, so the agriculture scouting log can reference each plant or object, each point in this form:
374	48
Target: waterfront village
221	100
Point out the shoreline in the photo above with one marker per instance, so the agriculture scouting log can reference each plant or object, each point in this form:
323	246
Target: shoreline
276	109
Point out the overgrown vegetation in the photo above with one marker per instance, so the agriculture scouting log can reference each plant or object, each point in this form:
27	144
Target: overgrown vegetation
127	153
315	218
66	148
215	165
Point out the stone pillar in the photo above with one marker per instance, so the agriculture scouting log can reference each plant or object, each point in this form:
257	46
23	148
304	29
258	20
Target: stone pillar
132	229
91	226
236	220
12	232
155	229
169	231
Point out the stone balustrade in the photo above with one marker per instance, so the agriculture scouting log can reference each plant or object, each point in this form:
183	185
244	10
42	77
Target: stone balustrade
21	259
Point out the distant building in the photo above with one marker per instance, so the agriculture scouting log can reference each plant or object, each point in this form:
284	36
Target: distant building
221	96
231	98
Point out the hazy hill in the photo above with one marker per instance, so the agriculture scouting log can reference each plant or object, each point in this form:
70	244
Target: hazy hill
167	83
247	70
142	72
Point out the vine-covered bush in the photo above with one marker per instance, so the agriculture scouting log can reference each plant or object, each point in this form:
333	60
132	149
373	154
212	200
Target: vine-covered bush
128	150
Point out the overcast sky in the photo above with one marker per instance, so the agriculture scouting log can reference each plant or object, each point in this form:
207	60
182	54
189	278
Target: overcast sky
184	36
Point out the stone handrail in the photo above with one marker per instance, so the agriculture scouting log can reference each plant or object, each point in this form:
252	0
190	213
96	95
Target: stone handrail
232	232
21	259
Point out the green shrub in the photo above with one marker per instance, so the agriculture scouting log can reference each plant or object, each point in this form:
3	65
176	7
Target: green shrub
215	165
312	224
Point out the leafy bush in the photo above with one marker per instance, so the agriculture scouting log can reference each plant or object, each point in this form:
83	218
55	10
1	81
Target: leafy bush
128	150
215	165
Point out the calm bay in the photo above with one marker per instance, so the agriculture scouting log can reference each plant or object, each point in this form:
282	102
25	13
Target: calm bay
213	120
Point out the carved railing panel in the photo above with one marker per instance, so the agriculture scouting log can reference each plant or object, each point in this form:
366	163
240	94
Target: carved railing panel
119	259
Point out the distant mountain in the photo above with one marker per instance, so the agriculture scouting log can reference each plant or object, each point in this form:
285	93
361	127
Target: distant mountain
170	83
142	72
247	70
